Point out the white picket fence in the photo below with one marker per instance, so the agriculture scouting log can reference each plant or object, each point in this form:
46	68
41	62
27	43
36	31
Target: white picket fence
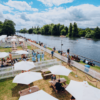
10	72
79	66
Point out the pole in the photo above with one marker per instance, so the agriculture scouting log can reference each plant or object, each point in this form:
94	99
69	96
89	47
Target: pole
61	45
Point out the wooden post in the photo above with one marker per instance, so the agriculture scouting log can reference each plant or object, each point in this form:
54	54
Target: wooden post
76	73
97	83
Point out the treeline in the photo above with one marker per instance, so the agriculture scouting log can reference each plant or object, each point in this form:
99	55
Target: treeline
7	27
58	29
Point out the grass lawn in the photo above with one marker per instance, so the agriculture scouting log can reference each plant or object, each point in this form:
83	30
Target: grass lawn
9	49
9	90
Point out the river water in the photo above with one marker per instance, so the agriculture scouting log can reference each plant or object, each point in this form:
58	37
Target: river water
83	47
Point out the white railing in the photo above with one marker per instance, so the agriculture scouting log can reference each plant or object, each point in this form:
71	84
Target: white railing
79	66
10	72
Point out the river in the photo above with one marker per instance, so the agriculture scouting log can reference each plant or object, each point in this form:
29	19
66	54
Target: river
83	47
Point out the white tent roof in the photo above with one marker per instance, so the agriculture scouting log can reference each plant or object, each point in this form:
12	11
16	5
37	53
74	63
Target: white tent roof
27	77
24	65
21	39
39	95
13	40
3	37
14	37
59	70
83	91
3	54
21	52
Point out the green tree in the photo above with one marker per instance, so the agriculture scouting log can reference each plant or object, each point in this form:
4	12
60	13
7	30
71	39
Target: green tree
63	32
30	31
8	27
75	30
1	26
66	28
96	33
70	30
81	33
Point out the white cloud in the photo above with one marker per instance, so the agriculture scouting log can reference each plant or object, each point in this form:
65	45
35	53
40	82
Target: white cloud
85	15
20	5
55	2
31	3
5	8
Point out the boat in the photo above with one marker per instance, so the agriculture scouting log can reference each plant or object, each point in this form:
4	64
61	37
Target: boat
63	36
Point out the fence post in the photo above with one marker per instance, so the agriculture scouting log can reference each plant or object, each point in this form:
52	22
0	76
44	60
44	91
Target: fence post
96	83
76	73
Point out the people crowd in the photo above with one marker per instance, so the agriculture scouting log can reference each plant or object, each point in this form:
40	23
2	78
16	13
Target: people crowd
37	56
8	61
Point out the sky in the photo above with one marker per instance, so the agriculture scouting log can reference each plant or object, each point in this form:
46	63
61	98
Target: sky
31	13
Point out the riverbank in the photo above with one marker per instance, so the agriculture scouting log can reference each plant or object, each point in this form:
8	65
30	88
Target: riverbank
9	90
86	48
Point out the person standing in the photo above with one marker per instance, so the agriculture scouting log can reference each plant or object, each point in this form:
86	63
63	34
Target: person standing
52	53
42	56
54	49
38	57
68	51
10	56
69	60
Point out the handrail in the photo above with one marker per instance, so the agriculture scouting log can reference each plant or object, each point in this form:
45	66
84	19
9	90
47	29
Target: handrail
10	72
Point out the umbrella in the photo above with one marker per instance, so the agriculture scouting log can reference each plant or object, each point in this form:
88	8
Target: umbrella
14	37
21	39
3	37
39	95
13	40
83	91
59	70
27	77
21	52
24	65
3	54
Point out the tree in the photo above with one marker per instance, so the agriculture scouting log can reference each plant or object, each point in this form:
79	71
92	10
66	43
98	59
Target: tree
81	33
96	33
30	31
70	30
8	27
75	30
63	32
1	26
66	28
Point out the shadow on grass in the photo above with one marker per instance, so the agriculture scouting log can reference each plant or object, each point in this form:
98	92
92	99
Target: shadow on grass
18	88
61	95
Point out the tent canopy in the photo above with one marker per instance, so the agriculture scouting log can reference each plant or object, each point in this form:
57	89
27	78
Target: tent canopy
3	54
39	95
27	77
59	70
24	65
83	91
21	52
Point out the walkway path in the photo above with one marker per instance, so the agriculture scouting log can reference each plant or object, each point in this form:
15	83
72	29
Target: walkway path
79	66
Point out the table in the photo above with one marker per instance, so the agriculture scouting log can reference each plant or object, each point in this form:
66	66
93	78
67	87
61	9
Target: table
26	91
62	80
44	74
